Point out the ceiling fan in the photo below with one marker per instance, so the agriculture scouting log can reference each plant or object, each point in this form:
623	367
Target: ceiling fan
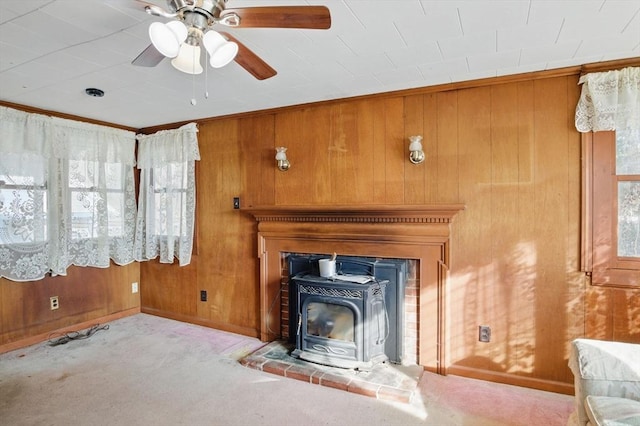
191	29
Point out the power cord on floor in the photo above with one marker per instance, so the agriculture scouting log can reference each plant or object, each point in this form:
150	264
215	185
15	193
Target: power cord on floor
77	335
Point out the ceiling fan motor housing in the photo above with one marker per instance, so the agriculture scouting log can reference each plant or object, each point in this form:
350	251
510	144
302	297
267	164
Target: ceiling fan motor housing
210	9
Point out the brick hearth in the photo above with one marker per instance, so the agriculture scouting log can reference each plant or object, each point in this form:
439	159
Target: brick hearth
385	381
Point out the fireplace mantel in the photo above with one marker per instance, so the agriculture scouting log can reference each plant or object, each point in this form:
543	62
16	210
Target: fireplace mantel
432	213
390	231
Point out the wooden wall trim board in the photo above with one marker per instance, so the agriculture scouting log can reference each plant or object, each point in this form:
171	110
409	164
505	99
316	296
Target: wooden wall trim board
32	340
609	65
586	262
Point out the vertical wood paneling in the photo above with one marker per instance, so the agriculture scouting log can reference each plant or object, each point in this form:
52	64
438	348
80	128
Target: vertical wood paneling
394	154
522	330
447	150
599	312
379	142
474	226
344	155
256	139
364	161
430	145
551	208
219	271
414	173
626	316
119	295
315	147
85	294
219	180
508	256
169	287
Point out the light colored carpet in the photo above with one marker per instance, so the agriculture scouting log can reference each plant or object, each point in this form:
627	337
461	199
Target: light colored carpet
147	370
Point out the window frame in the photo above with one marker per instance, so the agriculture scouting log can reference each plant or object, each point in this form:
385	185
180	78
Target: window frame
599	214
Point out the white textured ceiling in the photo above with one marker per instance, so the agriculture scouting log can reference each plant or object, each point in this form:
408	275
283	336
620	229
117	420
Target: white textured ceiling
51	50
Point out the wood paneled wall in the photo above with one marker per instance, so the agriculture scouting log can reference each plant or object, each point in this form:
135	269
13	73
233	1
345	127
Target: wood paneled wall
86	295
508	151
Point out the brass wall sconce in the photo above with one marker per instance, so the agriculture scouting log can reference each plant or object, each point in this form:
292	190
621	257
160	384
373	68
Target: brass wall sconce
416	154
281	159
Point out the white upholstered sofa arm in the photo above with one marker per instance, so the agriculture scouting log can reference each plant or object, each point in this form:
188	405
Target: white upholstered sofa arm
603	368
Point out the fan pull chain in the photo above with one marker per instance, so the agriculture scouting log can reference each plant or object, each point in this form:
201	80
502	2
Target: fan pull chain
206	74
193	79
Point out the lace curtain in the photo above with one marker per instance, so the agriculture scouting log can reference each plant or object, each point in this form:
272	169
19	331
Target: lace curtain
67	195
167	201
609	101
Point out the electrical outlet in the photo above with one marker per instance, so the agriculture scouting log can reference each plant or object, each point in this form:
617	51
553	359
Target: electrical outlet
484	333
236	202
134	287
203	295
55	304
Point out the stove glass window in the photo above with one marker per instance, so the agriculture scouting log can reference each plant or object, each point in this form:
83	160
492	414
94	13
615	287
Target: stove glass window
330	321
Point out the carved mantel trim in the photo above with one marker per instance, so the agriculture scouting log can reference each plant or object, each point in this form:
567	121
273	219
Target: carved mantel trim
433	213
419	232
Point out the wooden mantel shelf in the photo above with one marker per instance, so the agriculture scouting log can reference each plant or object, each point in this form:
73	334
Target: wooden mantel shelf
430	213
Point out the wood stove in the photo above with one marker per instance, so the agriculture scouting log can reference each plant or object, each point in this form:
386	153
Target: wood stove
339	322
367	293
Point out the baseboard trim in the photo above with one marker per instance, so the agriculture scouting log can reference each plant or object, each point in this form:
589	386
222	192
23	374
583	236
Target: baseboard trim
245	331
32	340
512	379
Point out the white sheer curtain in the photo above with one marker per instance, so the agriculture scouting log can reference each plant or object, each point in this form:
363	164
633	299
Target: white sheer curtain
167	201
67	195
609	101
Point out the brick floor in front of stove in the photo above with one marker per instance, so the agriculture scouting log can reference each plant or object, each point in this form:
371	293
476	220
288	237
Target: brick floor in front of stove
385	381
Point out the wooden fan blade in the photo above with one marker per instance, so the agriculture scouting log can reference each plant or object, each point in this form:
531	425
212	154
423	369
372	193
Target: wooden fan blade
250	61
149	57
311	17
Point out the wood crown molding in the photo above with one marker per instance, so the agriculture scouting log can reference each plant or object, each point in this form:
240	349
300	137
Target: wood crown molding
34	110
431	213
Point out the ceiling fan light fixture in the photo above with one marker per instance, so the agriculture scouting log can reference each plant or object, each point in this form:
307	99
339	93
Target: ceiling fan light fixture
220	50
168	37
188	59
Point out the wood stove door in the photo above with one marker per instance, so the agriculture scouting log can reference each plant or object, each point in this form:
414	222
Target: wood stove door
330	330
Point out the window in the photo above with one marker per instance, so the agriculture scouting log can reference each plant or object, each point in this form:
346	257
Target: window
23	205
611	207
87	197
169	201
66	195
628	189
166	206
